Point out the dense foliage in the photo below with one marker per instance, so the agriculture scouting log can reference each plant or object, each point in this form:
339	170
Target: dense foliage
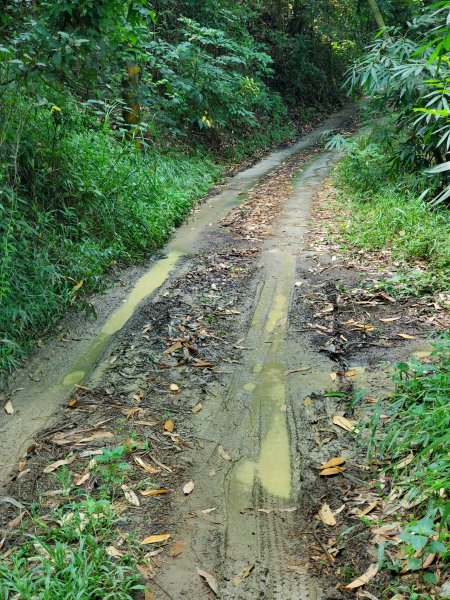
110	111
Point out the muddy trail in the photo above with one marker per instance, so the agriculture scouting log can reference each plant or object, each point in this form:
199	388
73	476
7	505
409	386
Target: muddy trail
231	356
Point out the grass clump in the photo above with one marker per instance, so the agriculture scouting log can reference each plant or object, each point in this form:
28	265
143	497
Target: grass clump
69	556
414	444
385	213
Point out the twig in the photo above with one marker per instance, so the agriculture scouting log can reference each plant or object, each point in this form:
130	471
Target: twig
325	549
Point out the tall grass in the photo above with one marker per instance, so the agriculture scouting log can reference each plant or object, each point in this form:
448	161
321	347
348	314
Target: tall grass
75	198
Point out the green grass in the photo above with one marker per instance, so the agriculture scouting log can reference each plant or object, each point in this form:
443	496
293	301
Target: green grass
414	444
386	214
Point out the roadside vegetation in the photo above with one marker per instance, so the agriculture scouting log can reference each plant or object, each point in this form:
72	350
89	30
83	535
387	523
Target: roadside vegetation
394	191
117	116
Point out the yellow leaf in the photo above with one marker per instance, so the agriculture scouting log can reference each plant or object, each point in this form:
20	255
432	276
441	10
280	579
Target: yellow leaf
169	425
333	462
406	336
197	408
152	492
156	539
331	471
77	286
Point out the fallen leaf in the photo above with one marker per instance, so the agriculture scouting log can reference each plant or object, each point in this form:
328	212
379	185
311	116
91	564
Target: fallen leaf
149	595
9	408
197	408
345	424
206	511
114	552
405	462
173	348
333	462
331	471
177	548
210	580
59	463
152	492
406	336
155	539
77	286
146	466
169	425
368	509
188	487
83	478
363	579
351	373
174	388
325	515
389	320
130	496
223	453
237	579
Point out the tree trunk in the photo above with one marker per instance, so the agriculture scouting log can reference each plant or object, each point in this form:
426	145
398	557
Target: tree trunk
377	14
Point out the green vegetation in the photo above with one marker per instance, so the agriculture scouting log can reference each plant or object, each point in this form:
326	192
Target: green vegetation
70	555
414	444
118	115
386	212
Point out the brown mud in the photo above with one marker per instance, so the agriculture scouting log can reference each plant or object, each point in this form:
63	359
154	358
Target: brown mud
232	361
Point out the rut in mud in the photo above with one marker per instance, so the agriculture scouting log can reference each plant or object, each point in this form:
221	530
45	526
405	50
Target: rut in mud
214	361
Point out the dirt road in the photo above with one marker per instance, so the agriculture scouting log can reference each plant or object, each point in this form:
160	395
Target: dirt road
217	356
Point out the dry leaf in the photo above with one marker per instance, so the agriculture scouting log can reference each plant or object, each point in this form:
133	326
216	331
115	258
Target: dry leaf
149	595
345	424
152	492
210	580
351	373
177	548
406	336
188	487
242	574
146	466
333	462
363	579
206	511
114	552
405	462
169	425
331	471
174	388
197	408
59	463
224	454
9	408
389	320
326	516
130	496
155	539
368	509
83	478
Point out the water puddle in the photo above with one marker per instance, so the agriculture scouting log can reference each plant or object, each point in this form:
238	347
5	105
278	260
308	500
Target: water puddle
146	285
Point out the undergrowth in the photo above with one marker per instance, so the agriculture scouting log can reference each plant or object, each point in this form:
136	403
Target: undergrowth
84	200
386	212
412	440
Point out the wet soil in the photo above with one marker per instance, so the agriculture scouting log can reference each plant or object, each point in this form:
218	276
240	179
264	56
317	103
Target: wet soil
228	373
